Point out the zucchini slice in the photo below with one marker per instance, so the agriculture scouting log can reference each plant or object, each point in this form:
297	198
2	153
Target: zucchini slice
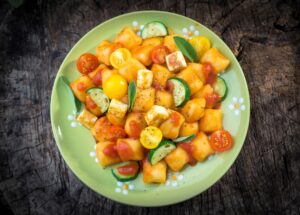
163	149
220	87
184	139
154	29
181	91
126	177
98	96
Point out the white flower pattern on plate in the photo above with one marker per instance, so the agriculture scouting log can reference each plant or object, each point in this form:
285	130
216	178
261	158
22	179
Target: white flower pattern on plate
124	187
93	155
138	29
237	105
173	179
72	118
190	31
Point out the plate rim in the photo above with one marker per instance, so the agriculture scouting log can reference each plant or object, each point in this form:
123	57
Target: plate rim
82	178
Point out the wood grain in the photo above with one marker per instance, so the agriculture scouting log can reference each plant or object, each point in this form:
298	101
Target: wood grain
35	38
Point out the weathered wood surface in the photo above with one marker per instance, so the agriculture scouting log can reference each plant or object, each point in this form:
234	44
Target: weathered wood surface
35	38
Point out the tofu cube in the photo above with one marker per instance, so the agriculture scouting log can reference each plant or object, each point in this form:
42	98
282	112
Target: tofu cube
87	119
201	147
175	61
130	149
144	99
116	112
156	115
144	78
103	159
211	120
156	173
177	159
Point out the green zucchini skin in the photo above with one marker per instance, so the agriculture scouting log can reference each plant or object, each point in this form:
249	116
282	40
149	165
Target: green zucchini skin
154	29
98	96
181	91
184	139
162	150
220	87
124	178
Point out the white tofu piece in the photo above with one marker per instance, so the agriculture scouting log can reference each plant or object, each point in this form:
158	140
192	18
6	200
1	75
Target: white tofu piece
117	109
86	118
175	61
156	115
144	78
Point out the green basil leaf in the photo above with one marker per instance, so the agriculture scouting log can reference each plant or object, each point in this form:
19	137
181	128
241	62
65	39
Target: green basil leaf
131	94
184	139
77	104
186	48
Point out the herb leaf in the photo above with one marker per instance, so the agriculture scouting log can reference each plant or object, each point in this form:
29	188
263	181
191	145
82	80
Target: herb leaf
184	139
186	48
77	104
131	94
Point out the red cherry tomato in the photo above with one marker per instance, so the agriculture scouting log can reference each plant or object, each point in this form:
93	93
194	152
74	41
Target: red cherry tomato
209	73
221	141
212	100
110	150
86	63
159	53
135	128
129	169
124	151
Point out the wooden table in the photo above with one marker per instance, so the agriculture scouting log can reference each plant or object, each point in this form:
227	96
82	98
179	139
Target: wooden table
35	38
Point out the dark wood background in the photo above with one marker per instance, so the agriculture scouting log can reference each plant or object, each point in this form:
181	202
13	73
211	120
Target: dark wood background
35	38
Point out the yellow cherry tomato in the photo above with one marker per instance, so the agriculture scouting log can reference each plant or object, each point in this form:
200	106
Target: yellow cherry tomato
119	57
201	44
150	137
115	87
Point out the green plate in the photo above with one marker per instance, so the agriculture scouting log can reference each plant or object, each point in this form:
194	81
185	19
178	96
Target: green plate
77	145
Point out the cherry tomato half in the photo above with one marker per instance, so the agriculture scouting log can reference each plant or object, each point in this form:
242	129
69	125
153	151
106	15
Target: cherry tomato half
209	73
150	137
119	57
221	141
129	169
159	53
86	63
